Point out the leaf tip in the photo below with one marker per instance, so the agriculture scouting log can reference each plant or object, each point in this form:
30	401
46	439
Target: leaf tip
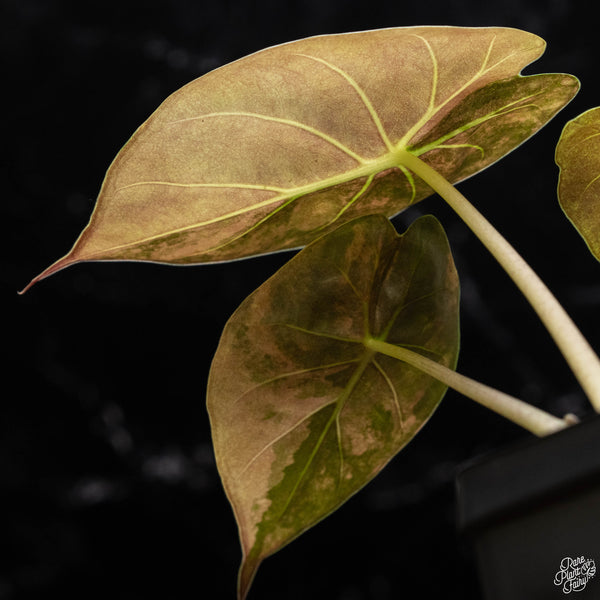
60	264
246	575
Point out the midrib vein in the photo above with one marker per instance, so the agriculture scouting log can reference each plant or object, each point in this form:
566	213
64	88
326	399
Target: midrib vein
370	167
340	402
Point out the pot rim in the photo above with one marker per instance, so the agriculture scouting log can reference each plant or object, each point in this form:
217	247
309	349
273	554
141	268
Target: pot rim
535	471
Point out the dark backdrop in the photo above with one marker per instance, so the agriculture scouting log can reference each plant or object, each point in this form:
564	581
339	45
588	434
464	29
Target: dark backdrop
107	480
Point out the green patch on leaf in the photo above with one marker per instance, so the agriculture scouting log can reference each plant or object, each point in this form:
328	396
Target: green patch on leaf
303	414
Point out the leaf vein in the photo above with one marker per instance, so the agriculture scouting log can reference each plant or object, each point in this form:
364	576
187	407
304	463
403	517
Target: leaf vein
432	111
283	376
363	96
340	401
394	393
284	434
290	122
321	334
241	186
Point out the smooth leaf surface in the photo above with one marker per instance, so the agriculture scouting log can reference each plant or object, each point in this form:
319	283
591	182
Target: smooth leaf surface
578	156
302	414
277	148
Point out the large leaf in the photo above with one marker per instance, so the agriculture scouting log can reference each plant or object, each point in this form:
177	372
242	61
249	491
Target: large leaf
279	147
578	156
302	414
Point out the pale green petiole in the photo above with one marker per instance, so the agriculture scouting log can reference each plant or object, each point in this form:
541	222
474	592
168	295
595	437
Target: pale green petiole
531	418
576	350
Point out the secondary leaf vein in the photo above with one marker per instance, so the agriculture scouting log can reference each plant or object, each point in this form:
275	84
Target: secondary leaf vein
393	392
289	374
363	96
291	122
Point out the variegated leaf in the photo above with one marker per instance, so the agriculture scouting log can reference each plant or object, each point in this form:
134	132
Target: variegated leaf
282	146
303	415
578	156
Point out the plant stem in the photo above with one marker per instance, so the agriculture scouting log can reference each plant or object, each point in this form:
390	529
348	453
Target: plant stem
576	350
531	418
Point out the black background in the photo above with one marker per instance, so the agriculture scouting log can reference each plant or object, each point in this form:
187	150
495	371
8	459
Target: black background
107	480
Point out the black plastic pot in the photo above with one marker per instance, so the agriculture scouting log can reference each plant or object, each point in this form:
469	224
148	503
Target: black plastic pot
532	515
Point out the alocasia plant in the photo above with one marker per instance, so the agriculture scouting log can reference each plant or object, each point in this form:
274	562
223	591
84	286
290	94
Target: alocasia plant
335	363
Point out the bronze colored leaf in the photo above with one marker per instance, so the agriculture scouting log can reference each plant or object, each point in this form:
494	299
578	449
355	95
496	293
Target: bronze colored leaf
284	145
303	415
578	156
